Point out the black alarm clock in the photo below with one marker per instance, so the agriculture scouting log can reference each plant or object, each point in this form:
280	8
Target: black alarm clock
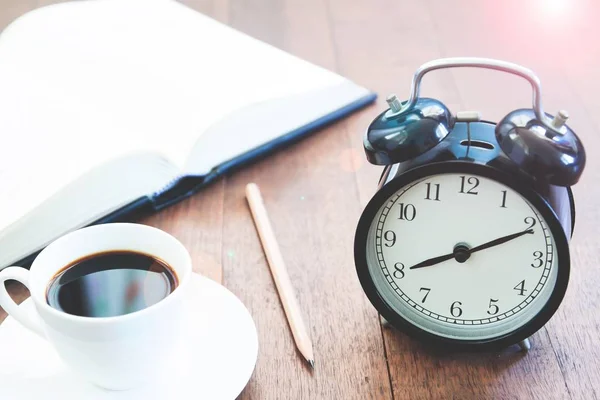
465	244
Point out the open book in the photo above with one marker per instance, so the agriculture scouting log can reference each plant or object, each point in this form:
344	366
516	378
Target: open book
113	106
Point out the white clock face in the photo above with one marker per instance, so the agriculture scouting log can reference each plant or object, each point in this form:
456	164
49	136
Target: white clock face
462	256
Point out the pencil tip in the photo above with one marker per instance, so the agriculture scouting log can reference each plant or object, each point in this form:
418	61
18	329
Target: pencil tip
312	363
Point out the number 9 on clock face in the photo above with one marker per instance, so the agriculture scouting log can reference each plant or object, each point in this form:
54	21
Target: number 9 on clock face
462	255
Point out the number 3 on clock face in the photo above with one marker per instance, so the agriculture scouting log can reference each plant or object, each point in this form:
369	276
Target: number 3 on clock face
462	257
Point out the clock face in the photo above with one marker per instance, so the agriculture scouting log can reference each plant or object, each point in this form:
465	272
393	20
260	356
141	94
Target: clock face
462	256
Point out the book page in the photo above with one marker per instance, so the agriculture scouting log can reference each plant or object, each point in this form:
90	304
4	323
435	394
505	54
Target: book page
84	82
42	153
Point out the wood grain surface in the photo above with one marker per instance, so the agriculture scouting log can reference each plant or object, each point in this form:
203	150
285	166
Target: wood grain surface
315	190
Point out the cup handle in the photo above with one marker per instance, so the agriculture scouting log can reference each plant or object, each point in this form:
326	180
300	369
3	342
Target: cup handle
28	319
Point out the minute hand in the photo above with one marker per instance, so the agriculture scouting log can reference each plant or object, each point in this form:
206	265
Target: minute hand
501	240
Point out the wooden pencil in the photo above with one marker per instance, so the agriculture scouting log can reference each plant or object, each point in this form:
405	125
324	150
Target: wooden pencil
279	273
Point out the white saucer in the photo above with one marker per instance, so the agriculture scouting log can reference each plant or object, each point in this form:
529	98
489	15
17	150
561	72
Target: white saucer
216	359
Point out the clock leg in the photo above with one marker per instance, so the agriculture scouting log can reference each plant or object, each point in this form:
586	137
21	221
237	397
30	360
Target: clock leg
525	345
384	322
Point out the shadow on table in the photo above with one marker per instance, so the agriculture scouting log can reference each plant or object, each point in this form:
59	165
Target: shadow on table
427	372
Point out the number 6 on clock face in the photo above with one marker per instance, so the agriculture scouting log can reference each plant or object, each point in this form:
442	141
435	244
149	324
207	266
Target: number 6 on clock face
462	255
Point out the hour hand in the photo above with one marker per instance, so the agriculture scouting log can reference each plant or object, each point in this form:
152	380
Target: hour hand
433	261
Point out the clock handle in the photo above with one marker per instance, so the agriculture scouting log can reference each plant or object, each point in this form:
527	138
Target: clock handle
477	62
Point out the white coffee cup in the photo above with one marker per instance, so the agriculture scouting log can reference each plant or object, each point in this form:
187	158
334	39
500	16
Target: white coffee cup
115	353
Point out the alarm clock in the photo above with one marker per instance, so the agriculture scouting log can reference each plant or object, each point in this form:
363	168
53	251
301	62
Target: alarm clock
465	244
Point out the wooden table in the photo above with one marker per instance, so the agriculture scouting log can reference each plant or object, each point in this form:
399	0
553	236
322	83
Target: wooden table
315	191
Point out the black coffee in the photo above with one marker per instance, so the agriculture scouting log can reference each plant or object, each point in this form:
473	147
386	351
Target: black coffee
111	284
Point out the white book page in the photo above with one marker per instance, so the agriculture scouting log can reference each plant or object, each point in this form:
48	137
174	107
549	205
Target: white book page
40	154
84	82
